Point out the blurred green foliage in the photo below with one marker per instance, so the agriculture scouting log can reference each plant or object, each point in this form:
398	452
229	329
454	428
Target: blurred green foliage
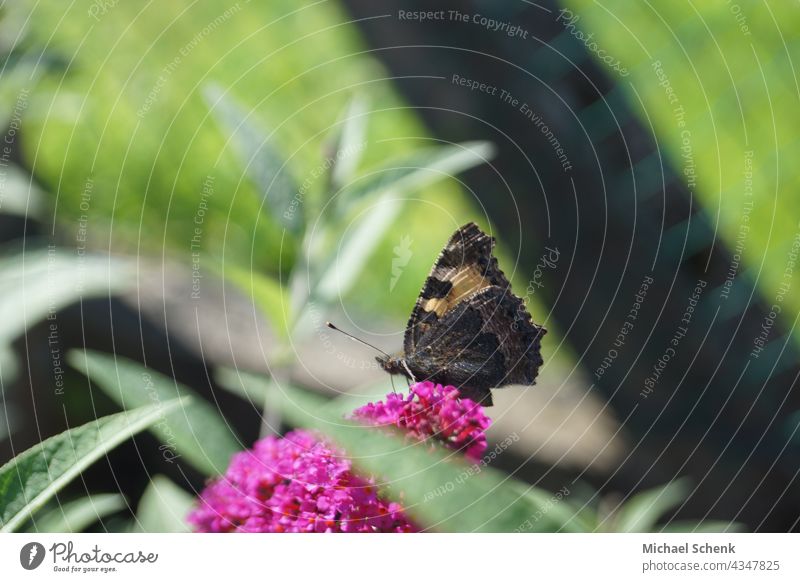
129	115
732	69
196	431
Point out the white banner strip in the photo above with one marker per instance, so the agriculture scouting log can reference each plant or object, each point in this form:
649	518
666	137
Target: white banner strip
401	557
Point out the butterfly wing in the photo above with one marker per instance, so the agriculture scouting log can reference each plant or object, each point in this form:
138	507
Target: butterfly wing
487	340
464	266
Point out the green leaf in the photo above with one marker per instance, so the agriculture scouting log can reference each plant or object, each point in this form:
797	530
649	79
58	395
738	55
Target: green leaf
260	158
6	425
350	142
38	284
265	292
587	504
642	511
437	487
163	507
254	389
30	479
8	368
196	431
19	77
19	193
75	516
342	269
555	510
413	172
249	387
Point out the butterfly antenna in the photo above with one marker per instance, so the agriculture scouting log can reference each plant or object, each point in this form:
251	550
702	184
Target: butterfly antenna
355	339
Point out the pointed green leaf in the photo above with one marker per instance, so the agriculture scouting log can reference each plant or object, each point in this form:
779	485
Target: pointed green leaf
642	511
30	479
342	269
75	516
20	74
250	387
41	282
8	372
260	158
163	507
413	172
350	142
553	509
265	292
19	193
196	431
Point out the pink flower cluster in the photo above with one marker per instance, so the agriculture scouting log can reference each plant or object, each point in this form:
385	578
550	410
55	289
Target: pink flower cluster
294	484
432	410
300	483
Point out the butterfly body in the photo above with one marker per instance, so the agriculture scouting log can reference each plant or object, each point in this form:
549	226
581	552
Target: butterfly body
467	328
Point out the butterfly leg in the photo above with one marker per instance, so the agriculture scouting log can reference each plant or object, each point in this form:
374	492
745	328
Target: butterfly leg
410	374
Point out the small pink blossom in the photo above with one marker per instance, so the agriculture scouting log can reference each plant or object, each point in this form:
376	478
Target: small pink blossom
432	410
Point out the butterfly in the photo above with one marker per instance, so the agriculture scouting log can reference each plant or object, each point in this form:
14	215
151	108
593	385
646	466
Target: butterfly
467	328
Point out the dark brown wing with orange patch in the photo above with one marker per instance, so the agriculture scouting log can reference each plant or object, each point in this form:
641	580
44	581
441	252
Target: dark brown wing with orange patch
486	341
464	266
